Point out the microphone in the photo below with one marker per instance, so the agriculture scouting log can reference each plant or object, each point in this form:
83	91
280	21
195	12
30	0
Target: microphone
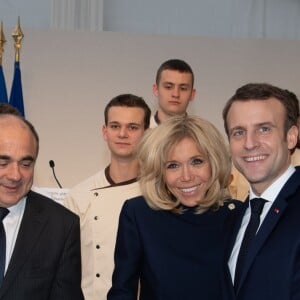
52	165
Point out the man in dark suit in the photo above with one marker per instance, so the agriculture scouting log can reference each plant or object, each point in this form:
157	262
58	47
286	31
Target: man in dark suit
264	259
41	259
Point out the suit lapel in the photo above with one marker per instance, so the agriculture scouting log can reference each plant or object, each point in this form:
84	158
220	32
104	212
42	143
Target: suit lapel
235	229
31	227
231	228
270	221
265	230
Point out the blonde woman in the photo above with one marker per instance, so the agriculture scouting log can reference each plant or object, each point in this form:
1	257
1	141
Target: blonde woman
171	238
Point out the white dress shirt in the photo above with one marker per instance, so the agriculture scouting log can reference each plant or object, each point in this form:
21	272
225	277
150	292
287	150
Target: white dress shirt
12	225
270	195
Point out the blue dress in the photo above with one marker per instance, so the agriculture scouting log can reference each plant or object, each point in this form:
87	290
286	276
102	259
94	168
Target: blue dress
173	256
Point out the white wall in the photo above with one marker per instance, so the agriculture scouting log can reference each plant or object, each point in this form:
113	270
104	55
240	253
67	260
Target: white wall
33	13
68	77
227	18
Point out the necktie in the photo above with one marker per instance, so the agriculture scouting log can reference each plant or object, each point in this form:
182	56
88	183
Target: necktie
3	213
257	205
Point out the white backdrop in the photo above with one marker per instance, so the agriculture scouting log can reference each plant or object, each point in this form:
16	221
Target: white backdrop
226	18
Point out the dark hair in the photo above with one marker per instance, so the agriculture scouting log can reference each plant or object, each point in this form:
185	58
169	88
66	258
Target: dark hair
175	65
295	102
265	91
6	108
129	100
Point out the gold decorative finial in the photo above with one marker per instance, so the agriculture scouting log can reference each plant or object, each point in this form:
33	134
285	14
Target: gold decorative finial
2	42
18	36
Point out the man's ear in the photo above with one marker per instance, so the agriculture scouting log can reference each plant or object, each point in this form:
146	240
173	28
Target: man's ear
193	94
104	132
292	137
155	90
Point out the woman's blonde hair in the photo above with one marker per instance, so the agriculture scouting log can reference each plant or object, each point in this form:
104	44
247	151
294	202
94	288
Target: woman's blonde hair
152	154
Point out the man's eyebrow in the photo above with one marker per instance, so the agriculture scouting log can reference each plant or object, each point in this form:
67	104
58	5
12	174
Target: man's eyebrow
28	157
4	157
127	124
238	127
180	84
264	124
133	123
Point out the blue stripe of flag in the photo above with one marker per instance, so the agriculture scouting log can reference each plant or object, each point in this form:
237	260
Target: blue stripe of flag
3	91
16	94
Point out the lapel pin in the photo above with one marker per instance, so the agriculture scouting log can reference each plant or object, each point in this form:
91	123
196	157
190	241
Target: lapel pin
276	210
231	206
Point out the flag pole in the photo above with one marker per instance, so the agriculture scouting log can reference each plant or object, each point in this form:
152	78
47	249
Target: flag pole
2	42
16	94
3	91
18	36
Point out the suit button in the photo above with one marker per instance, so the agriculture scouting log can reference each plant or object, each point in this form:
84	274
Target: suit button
96	218
97	246
98	275
96	194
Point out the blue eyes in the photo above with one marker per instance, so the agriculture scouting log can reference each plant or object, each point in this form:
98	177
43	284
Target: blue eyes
265	129
193	162
172	165
238	133
197	161
243	132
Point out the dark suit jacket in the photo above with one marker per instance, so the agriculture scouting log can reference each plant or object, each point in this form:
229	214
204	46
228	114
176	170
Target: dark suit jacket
174	256
272	271
45	263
